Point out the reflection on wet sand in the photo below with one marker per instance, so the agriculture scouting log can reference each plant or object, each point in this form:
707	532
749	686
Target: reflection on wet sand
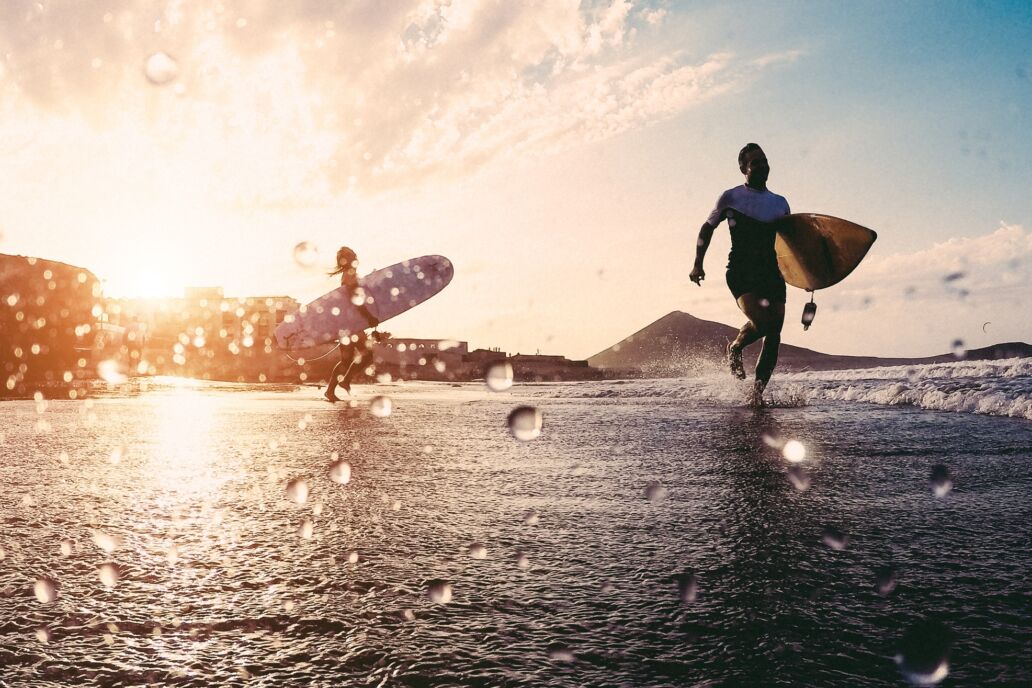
630	542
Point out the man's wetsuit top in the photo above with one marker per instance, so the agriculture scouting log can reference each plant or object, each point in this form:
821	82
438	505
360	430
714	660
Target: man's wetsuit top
752	264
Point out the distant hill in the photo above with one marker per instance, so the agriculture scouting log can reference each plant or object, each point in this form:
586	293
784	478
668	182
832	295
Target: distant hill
679	342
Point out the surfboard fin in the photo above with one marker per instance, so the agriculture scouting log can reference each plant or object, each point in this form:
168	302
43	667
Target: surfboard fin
809	312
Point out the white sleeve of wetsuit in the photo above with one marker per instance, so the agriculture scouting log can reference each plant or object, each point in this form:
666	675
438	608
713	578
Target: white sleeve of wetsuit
717	214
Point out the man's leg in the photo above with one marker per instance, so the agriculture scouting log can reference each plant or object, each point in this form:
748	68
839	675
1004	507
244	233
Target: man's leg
760	319
771	344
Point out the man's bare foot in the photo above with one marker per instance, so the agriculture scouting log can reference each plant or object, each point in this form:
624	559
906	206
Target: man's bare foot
756	395
734	361
330	396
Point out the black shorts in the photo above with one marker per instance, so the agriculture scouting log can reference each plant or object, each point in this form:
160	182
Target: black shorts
764	283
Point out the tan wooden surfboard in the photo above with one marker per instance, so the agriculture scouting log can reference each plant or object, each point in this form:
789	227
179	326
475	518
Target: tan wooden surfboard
817	251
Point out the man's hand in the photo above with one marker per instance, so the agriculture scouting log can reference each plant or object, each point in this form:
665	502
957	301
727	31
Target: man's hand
698	274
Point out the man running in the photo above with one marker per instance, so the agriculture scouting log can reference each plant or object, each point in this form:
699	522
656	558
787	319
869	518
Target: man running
752	266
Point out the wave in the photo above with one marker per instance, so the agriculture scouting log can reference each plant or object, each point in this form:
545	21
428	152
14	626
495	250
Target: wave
996	388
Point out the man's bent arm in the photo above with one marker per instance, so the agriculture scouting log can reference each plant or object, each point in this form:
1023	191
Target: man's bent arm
705	234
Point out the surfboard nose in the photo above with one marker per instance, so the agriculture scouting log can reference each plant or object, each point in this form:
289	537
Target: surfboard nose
437	270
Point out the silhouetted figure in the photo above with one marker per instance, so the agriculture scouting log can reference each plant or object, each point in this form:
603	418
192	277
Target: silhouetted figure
356	353
752	267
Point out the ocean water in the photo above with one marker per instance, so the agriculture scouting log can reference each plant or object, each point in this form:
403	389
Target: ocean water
655	534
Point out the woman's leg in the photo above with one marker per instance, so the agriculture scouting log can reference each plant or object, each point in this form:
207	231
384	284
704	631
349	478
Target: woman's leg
338	374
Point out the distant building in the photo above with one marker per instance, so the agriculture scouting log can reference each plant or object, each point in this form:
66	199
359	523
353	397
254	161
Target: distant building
542	368
206	334
424	359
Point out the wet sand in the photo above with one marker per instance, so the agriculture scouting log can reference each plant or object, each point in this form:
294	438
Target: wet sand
225	577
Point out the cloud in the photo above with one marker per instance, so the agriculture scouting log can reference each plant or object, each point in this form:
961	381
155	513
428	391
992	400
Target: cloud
996	265
283	102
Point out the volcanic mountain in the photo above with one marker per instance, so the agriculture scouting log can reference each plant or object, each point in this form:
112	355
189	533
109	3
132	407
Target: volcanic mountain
678	341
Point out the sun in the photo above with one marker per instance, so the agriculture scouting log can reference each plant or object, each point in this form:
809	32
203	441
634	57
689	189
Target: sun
149	283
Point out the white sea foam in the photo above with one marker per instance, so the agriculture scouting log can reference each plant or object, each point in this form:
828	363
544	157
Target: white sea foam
998	388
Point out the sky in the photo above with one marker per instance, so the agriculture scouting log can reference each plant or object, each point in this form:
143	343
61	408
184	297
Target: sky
562	154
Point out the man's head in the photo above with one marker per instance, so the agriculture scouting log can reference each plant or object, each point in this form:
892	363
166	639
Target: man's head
753	163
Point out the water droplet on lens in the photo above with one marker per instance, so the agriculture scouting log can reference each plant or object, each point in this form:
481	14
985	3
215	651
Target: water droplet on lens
340	472
655	492
439	591
940	480
117	454
794	451
306	254
525	423
531	518
407	615
499	376
108	543
923	653
381	406
297	490
45	589
352	557
607	587
834	538
885	580
688	587
522	561
957	348
799	478
43	635
477	551
306	529
109	574
160	68
560	653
